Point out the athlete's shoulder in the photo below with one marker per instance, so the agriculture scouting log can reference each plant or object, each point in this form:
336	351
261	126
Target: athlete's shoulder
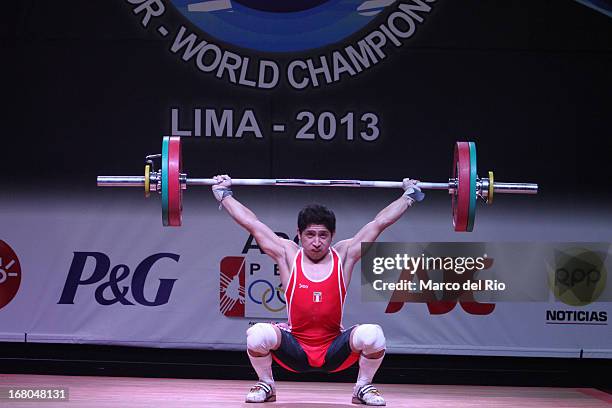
341	248
291	249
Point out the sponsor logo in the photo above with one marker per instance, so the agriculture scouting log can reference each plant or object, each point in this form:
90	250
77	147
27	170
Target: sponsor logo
302	286
231	291
10	274
578	276
317	297
94	268
586	317
249	285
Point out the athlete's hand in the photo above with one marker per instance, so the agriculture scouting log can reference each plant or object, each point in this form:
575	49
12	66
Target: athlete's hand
223	187
223	181
411	190
409	183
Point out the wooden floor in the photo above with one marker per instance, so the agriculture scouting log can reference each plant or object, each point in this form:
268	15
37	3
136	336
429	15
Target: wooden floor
151	392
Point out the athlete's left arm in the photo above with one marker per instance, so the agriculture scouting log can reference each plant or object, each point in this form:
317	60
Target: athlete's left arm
350	249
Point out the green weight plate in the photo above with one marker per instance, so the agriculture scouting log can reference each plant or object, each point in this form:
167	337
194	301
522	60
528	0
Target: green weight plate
473	192
164	180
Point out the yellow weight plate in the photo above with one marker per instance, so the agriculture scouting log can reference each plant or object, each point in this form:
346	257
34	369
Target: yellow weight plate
490	196
146	180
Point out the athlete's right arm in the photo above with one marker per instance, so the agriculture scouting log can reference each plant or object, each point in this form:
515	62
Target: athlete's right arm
267	240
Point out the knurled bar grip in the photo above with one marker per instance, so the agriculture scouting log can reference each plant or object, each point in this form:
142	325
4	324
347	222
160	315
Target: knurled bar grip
316	183
138	181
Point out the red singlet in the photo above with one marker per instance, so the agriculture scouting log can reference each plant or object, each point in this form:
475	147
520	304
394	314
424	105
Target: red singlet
315	308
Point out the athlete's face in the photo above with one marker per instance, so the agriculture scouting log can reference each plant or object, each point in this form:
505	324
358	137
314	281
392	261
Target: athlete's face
316	240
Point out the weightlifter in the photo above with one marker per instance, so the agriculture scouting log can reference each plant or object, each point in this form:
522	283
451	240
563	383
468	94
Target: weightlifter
315	276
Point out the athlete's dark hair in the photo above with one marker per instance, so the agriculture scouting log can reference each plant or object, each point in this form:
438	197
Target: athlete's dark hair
316	214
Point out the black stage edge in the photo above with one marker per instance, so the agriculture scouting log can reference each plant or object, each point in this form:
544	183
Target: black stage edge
104	360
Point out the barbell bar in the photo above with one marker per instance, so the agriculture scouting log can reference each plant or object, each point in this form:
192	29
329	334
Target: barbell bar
465	187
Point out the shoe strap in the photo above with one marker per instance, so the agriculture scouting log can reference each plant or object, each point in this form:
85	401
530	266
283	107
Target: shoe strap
366	389
264	386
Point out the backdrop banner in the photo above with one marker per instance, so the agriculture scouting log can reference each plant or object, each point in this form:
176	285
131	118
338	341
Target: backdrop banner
77	276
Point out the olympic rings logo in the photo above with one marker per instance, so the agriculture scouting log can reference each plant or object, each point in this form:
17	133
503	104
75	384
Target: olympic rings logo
267	294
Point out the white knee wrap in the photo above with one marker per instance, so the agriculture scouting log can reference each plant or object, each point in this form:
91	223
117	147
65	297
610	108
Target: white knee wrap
261	338
369	338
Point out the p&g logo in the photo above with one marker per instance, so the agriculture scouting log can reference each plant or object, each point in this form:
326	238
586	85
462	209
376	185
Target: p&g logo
111	291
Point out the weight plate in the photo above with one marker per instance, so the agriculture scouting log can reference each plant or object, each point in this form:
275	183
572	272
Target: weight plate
490	196
147	184
164	180
473	186
461	196
175	202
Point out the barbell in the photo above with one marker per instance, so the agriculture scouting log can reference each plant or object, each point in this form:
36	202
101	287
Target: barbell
465	187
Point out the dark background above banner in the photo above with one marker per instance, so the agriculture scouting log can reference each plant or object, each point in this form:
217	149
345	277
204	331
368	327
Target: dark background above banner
89	91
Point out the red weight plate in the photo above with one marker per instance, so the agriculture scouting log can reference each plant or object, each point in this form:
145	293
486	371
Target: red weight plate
454	177
461	198
175	194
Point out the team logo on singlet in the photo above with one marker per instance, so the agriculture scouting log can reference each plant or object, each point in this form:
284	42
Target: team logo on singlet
317	297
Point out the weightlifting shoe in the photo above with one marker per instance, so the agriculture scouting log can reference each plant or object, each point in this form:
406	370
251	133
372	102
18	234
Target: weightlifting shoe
261	392
368	395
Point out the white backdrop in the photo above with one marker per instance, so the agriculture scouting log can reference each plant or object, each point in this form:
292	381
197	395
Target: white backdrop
51	236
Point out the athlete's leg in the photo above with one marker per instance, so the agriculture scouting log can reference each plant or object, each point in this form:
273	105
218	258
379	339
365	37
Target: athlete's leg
261	338
369	340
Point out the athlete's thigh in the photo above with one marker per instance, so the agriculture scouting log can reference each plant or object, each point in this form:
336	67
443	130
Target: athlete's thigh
291	354
339	351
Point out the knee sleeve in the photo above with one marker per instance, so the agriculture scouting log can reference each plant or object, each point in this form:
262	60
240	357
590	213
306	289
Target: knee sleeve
261	338
369	338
